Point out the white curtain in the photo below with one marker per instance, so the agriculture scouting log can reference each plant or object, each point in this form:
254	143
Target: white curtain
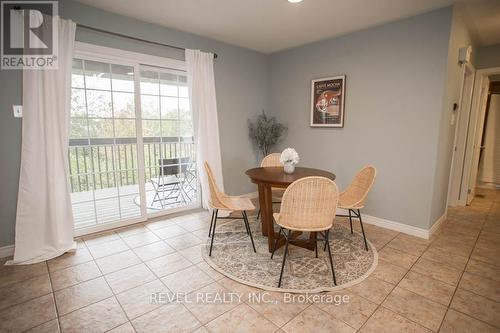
200	73
44	219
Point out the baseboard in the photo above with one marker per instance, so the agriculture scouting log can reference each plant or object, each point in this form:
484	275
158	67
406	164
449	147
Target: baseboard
6	251
392	225
439	222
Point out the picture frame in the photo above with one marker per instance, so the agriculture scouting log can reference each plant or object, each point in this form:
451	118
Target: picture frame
328	101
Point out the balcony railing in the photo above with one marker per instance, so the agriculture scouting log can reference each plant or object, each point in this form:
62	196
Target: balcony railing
102	163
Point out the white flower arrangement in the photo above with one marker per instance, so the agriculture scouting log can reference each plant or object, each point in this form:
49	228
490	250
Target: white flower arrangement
289	156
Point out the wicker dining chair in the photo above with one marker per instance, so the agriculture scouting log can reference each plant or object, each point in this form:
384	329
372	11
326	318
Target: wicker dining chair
308	205
269	161
354	197
219	200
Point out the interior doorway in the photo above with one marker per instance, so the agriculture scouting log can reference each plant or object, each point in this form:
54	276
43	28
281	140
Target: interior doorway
470	165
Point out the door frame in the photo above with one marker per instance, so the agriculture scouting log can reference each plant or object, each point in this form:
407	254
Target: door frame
477	122
136	60
459	148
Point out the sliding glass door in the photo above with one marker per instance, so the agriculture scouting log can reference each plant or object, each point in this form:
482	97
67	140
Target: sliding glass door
131	149
169	156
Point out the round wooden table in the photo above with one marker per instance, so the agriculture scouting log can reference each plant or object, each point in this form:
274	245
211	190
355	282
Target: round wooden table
266	178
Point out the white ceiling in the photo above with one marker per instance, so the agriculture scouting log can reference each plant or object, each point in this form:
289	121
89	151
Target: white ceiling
272	25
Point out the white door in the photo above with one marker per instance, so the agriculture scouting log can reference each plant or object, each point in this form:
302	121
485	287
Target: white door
478	135
455	196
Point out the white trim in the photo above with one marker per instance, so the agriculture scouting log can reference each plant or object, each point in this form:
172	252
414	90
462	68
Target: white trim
110	54
438	224
391	225
6	251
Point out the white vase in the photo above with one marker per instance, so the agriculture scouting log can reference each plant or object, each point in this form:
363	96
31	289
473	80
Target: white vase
289	167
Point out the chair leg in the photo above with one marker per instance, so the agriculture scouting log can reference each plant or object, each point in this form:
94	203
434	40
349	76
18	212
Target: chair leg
284	257
245	217
362	230
316	243
213	232
330	255
211	222
276	243
258	214
350	220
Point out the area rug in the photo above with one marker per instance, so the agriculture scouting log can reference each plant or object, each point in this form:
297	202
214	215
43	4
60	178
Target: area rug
233	256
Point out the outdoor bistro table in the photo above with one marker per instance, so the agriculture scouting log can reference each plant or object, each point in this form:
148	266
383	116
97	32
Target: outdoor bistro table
269	177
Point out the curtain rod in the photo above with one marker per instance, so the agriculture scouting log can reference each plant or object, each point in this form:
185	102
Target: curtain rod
134	38
126	36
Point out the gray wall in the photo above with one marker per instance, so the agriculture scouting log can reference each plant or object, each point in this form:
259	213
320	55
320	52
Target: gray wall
394	94
240	76
488	56
459	37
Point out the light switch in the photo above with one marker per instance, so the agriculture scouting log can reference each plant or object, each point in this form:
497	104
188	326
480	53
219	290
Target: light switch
18	111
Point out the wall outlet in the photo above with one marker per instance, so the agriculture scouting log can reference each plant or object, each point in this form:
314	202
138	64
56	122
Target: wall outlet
18	111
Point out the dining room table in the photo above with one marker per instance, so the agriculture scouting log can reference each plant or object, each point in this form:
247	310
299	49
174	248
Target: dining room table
267	178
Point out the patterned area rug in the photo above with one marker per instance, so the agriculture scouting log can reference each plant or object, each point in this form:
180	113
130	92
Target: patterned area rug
233	256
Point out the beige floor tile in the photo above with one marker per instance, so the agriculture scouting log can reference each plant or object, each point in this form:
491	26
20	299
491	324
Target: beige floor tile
209	270
24	291
372	289
80	256
27	315
51	326
173	230
437	271
242	289
117	261
201	329
355	312
451	248
132	230
139	300
408	245
389	272
100	238
98	317
274	306
483	269
17	273
107	248
169	318
446	258
153	250
214	301
456	322
80	295
241	319
481	286
128	278
187	280
156	225
141	239
416	308
313	319
396	257
183	241
428	287
477	306
70	276
193	253
487	255
386	321
195	224
125	328
168	264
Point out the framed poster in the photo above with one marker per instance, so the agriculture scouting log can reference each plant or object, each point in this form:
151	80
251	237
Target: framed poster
327	102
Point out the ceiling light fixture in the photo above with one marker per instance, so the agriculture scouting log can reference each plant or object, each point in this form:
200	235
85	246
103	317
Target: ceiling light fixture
294	1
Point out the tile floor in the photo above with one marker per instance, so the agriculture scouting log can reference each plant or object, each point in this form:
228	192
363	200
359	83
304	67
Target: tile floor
450	283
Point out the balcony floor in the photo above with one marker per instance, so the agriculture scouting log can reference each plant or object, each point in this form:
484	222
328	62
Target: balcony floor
115	204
